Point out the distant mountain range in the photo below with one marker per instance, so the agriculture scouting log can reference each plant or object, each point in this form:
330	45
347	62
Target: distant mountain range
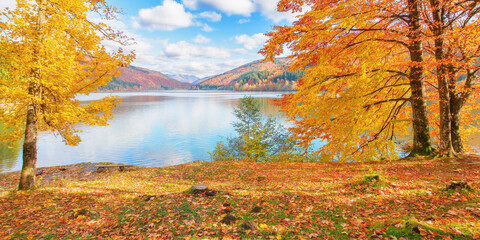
136	78
257	75
184	77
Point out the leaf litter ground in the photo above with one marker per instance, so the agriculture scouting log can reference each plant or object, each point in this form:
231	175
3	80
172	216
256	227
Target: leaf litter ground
405	199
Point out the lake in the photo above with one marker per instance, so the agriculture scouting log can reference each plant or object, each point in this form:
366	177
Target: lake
149	129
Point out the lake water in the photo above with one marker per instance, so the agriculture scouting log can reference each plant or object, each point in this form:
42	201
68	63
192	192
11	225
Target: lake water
149	129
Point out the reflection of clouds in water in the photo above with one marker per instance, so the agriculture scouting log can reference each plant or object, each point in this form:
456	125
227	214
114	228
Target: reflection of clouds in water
196	116
168	158
151	129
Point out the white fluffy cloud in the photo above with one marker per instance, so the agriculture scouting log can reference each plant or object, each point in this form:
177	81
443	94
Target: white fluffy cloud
212	16
238	7
201	39
268	8
203	68
185	50
169	16
189	58
207	28
7	3
251	42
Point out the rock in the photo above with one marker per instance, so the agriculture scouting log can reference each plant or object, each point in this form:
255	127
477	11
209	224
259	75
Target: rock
200	187
458	186
249	226
261	178
371	178
256	209
228	219
82	212
197	189
39	173
78	213
149	197
210	193
226	210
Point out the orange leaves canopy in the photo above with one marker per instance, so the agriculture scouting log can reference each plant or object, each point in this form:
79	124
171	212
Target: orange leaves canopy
356	93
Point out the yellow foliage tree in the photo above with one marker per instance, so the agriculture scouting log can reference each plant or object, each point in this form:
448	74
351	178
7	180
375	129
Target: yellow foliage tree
51	53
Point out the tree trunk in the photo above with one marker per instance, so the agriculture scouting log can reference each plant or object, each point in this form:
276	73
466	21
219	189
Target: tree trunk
27	177
421	135
445	141
456	103
455	128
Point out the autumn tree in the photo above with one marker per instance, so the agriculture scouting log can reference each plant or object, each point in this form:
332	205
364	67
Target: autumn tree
55	53
453	40
368	65
365	68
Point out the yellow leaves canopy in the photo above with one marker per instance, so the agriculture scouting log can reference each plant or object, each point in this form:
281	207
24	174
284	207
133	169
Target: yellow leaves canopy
50	52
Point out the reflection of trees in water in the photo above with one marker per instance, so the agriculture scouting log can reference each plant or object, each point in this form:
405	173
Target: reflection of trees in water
8	154
267	107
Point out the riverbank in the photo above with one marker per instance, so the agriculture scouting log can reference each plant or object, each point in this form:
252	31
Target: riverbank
407	198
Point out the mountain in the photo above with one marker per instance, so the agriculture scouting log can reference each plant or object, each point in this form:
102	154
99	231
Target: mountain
184	77
257	75
136	78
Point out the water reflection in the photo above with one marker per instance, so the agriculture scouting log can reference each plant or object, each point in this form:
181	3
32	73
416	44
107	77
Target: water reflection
150	129
9	156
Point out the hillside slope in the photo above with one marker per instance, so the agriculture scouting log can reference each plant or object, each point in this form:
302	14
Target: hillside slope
136	78
257	75
184	77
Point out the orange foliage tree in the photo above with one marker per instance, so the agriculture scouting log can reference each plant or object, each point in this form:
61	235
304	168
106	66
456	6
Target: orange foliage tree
54	53
452	37
367	66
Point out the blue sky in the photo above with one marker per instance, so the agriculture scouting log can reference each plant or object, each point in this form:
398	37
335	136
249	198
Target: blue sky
195	37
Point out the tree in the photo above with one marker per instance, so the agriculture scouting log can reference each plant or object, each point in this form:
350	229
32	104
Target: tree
365	67
258	138
55	54
379	55
452	42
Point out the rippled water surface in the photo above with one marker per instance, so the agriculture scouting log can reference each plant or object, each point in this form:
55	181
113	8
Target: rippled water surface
149	129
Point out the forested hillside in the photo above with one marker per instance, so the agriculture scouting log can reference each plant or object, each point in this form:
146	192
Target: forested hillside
136	78
257	75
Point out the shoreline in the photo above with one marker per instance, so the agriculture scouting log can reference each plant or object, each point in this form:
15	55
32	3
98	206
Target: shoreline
84	171
45	176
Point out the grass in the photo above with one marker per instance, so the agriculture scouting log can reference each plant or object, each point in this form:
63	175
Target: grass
296	201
